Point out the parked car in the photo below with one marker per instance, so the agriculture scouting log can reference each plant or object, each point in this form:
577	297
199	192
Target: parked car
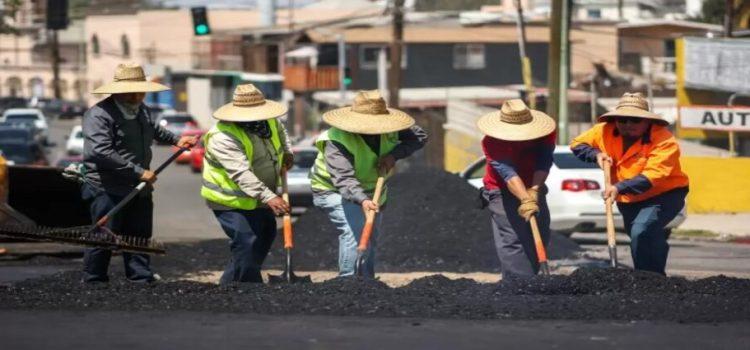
72	110
67	160
19	147
196	157
74	143
13	102
300	190
574	197
177	123
30	116
186	157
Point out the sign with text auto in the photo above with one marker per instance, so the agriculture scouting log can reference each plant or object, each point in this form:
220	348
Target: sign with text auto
715	118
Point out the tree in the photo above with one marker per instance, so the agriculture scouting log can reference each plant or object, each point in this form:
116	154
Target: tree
9	13
452	5
712	12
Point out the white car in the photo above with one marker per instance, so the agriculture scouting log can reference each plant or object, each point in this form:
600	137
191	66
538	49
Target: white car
74	143
574	197
298	177
32	117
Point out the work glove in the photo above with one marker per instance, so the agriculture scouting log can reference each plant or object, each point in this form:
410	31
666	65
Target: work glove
533	193
528	208
74	172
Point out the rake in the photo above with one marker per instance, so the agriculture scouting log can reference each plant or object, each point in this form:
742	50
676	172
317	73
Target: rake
97	235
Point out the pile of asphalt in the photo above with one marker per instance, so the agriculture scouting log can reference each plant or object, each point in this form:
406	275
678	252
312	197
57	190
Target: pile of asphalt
431	222
587	294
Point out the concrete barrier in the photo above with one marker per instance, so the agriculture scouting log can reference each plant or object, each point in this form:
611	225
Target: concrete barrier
718	185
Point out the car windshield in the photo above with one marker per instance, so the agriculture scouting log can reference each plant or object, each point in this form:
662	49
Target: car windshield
19	153
21	117
79	135
570	161
304	160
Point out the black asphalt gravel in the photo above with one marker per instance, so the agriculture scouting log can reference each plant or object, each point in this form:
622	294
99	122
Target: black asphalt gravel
587	294
431	222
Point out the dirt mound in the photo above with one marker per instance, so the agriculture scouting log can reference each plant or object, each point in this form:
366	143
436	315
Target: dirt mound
586	295
431	223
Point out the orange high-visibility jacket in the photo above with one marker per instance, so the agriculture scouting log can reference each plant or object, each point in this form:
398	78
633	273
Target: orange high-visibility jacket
658	159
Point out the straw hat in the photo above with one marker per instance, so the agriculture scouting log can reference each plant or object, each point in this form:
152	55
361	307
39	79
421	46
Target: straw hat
249	105
516	122
129	78
368	115
632	105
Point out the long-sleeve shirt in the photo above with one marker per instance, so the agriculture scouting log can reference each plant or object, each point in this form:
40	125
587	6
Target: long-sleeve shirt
507	159
649	167
116	151
258	179
340	162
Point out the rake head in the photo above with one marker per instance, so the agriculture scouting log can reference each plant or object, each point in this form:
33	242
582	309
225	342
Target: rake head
99	237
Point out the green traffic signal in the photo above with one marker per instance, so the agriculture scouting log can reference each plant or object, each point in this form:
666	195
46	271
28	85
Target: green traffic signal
347	81
201	29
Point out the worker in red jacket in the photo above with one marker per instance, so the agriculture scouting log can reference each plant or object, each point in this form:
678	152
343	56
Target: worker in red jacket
518	148
648	182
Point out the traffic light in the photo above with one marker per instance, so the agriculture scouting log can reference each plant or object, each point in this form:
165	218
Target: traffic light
57	14
200	21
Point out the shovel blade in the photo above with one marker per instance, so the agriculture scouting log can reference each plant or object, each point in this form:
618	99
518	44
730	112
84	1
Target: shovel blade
613	256
288	277
544	268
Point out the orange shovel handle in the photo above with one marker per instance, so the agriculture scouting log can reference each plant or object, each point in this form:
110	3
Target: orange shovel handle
287	220
611	237
364	241
541	253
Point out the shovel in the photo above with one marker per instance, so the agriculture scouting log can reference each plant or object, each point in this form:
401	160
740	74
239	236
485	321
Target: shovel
100	225
288	275
611	239
541	253
364	241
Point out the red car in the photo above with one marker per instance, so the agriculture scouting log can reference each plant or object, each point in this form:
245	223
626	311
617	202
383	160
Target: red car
196	157
186	156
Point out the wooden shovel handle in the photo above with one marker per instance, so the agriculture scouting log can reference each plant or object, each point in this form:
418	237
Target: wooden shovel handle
541	253
287	220
611	238
364	241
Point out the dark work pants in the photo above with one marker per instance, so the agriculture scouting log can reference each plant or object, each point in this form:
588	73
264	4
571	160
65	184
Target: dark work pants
645	222
135	219
251	233
513	239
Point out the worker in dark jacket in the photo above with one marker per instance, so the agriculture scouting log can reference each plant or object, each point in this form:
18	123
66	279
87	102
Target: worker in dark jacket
649	184
364	142
518	148
118	133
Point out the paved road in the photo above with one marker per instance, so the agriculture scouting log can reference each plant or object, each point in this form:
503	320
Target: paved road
186	330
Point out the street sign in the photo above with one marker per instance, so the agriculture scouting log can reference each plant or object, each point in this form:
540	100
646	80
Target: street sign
715	118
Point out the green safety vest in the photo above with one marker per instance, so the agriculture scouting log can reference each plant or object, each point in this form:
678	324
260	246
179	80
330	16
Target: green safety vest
365	160
218	187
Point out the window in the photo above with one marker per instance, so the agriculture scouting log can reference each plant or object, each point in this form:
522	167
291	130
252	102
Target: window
468	56
95	44
594	13
125	43
368	56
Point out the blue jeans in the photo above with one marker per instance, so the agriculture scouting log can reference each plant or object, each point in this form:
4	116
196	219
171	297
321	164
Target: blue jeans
136	219
349	220
251	233
645	222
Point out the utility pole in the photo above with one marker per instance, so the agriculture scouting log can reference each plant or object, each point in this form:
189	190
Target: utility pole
291	16
553	69
342	65
56	64
620	13
728	18
557	102
525	62
394	80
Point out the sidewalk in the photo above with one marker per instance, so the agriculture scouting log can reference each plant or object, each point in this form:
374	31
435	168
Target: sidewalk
732	225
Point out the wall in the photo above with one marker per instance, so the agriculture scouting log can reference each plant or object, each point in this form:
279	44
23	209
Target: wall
462	138
109	29
431	65
718	185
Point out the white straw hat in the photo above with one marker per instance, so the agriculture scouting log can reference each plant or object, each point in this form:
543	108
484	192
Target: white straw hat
249	105
633	105
516	122
368	115
129	78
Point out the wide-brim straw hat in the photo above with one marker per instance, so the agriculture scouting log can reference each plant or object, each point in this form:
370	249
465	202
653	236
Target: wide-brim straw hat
516	122
368	115
249	105
129	78
632	105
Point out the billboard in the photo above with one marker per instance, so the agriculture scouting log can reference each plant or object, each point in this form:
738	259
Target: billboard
717	64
